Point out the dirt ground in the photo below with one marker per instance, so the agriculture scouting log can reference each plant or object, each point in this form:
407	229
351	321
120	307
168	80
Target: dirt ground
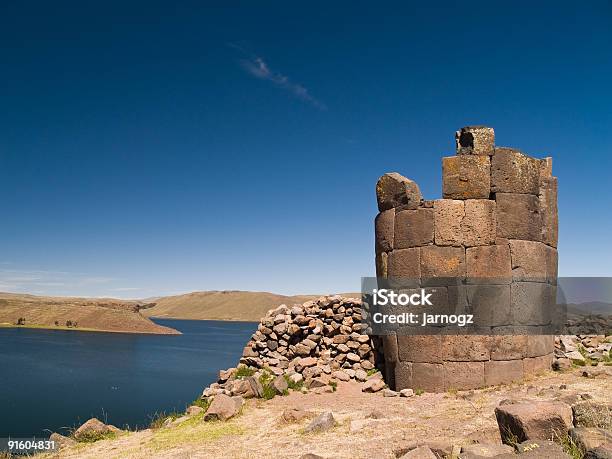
259	432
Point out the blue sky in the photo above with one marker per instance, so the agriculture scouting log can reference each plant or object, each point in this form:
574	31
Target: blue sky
148	148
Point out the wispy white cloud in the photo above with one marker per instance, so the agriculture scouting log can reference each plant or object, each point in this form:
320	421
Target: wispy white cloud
46	281
257	67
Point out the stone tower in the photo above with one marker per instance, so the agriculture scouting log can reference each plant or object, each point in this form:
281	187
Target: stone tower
494	234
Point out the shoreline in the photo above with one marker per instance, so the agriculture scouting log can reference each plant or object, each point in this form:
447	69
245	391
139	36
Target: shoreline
202	320
86	329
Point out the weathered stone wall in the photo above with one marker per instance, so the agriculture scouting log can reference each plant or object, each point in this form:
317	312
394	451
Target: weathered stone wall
494	234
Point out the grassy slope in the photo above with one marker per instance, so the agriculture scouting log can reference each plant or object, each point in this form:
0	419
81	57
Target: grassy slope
91	314
223	305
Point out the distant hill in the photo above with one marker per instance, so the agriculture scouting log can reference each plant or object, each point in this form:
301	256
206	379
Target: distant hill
592	307
90	314
223	305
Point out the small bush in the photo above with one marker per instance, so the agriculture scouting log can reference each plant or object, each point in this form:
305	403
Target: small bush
334	385
266	379
91	437
201	402
372	371
268	392
569	446
294	385
244	372
419	391
158	419
585	354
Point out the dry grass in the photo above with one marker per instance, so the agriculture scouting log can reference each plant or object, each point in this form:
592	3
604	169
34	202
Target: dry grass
260	432
224	305
90	314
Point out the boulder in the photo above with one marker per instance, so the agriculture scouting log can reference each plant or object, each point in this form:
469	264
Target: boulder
406	393
296	415
591	414
224	375
595	442
321	423
256	387
373	385
280	385
223	407
61	441
540	449
194	410
533	420
575	357
340	375
420	452
94	429
486	450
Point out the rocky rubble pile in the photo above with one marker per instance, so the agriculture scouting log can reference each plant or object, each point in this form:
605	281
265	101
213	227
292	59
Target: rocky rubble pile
312	345
582	350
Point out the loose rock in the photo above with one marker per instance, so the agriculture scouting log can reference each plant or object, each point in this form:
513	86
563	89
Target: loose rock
321	423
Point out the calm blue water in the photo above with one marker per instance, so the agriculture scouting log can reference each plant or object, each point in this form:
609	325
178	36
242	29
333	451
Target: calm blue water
53	380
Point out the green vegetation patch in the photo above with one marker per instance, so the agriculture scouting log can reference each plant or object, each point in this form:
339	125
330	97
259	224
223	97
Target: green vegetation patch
194	431
244	372
294	385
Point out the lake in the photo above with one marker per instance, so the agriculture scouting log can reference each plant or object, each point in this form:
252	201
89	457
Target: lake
53	380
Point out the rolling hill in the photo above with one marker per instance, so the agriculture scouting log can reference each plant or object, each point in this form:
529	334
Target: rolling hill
222	305
89	314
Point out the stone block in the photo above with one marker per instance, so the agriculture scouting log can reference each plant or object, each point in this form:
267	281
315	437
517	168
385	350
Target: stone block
547	201
533	365
533	420
529	260
437	296
551	265
414	228
488	264
464	375
384	229
448	215
479	224
445	263
475	140
457	299
382	262
403	375
539	345
490	304
466	348
532	303
405	264
508	347
393	190
518	216
466	177
390	348
546	168
514	172
420	348
428	376
503	371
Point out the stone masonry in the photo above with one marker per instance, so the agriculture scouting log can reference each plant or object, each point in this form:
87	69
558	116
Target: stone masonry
494	233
